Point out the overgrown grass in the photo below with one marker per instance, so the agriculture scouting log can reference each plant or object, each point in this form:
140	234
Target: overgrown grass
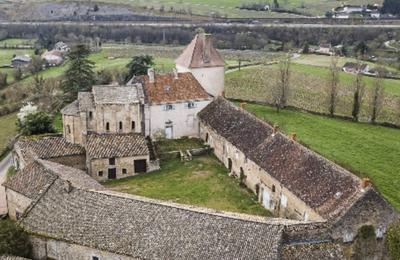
366	150
169	145
8	129
202	182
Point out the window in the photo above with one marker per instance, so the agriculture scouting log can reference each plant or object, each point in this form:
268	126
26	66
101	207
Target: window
95	258
107	126
206	137
284	201
379	232
100	173
133	125
17	214
120	126
124	171
90	114
273	188
190	104
111	161
68	129
169	107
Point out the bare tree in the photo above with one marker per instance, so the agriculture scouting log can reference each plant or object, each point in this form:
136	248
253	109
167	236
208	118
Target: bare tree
377	96
333	85
282	87
358	96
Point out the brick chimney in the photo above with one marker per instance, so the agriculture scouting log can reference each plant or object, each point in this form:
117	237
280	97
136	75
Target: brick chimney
293	137
365	182
175	73
151	74
243	105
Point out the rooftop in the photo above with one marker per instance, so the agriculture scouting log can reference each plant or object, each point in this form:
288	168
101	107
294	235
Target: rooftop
116	145
321	184
200	53
115	94
148	229
168	89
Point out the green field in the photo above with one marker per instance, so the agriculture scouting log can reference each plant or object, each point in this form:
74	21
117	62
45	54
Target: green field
204	182
7	129
17	41
364	149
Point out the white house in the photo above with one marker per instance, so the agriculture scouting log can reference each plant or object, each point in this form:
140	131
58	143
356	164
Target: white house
205	63
172	103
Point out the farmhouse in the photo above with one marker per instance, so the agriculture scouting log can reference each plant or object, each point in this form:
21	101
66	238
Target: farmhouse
53	58
351	67
21	61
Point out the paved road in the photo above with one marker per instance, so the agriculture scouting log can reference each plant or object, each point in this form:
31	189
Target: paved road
4	165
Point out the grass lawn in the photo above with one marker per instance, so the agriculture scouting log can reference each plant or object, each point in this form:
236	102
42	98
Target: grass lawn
169	145
366	150
7	129
204	182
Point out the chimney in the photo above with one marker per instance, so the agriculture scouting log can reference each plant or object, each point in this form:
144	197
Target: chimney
293	136
151	74
365	183
207	46
243	105
175	73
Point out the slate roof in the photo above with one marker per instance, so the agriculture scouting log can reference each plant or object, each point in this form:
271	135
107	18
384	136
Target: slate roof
200	53
318	251
167	89
116	145
71	109
47	147
86	101
146	229
115	95
237	126
321	184
33	179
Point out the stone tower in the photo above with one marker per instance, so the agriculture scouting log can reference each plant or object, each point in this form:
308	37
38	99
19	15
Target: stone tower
205	63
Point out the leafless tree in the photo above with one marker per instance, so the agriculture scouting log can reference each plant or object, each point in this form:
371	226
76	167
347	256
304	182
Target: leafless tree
358	96
333	85
377	96
282	87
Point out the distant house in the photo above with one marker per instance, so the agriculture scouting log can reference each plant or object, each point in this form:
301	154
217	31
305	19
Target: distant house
61	46
53	58
21	61
325	48
351	67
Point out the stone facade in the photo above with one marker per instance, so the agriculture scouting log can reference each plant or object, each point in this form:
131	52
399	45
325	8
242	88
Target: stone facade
72	130
123	167
271	194
16	204
74	161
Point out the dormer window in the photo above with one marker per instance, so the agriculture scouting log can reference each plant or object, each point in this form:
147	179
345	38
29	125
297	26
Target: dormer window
190	104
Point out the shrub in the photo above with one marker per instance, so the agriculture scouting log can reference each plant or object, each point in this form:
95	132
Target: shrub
17	73
3	79
14	241
10	172
393	240
36	123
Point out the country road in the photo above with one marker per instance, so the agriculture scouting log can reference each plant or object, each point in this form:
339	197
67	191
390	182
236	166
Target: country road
4	165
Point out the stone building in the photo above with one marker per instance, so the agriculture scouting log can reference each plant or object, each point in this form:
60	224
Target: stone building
33	180
111	156
172	103
205	63
52	148
289	179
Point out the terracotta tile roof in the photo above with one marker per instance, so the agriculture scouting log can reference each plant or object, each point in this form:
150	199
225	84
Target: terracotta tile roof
148	229
33	179
321	184
200	53
244	131
116	145
47	147
167	89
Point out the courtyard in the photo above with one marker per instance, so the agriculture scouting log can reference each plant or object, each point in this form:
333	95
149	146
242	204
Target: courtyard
204	182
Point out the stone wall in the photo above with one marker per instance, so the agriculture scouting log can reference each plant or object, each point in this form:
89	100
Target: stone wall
184	120
271	194
16	203
72	129
75	161
127	163
53	249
